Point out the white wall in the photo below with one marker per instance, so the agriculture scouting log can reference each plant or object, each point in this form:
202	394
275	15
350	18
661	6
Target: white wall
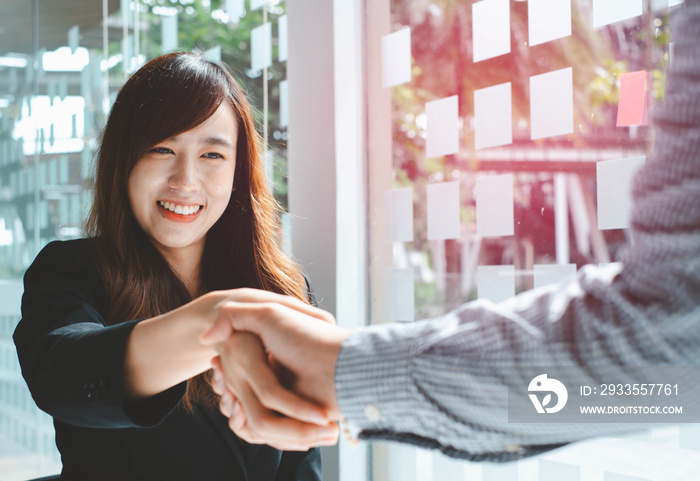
326	171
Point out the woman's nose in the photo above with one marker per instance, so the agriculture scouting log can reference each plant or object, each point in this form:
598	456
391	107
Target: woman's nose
185	175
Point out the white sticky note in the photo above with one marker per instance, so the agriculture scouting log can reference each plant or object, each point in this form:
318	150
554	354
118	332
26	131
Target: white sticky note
261	47
442	127
255	4
552	104
443	211
494	206
556	471
493	118
548	20
495	283
398	208
490	29
396	58
284	104
282	38
545	274
169	33
614	186
235	9
400	297
606	12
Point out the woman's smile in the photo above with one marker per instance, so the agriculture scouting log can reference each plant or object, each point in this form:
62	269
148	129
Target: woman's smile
180	212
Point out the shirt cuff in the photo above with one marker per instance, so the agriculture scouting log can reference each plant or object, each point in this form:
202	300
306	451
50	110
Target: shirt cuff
373	377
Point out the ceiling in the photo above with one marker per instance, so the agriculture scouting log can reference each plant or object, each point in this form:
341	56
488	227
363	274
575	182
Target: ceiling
55	18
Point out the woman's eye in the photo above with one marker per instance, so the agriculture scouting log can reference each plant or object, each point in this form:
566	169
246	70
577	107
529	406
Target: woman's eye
161	150
213	155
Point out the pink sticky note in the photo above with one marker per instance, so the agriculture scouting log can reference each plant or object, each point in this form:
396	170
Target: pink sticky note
632	107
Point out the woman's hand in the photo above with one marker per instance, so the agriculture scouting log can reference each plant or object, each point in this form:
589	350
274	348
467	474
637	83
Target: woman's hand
262	411
164	351
303	341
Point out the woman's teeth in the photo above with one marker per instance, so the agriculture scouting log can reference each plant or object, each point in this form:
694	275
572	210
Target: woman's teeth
180	209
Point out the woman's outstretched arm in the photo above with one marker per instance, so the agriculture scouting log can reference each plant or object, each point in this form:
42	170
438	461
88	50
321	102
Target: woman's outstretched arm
86	373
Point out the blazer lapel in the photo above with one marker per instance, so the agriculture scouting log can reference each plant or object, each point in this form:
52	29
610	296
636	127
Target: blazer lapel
220	424
249	451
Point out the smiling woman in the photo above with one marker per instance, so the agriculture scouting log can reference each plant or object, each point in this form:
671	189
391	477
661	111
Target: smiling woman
109	336
186	179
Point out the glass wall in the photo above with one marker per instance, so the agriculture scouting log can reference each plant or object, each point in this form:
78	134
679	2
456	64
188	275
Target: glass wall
61	66
515	130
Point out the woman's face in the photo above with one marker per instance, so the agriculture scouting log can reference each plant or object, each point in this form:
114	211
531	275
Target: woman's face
180	187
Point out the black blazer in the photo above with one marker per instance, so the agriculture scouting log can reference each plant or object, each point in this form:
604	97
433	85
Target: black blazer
74	366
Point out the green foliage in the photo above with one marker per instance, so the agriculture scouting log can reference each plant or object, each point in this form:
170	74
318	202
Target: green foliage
604	88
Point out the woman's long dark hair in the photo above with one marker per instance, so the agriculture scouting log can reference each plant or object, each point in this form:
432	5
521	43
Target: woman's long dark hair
170	95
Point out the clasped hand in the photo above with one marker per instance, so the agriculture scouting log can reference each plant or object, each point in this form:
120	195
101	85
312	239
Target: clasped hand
275	369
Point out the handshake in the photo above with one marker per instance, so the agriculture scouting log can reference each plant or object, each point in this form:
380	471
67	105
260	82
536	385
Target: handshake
275	369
